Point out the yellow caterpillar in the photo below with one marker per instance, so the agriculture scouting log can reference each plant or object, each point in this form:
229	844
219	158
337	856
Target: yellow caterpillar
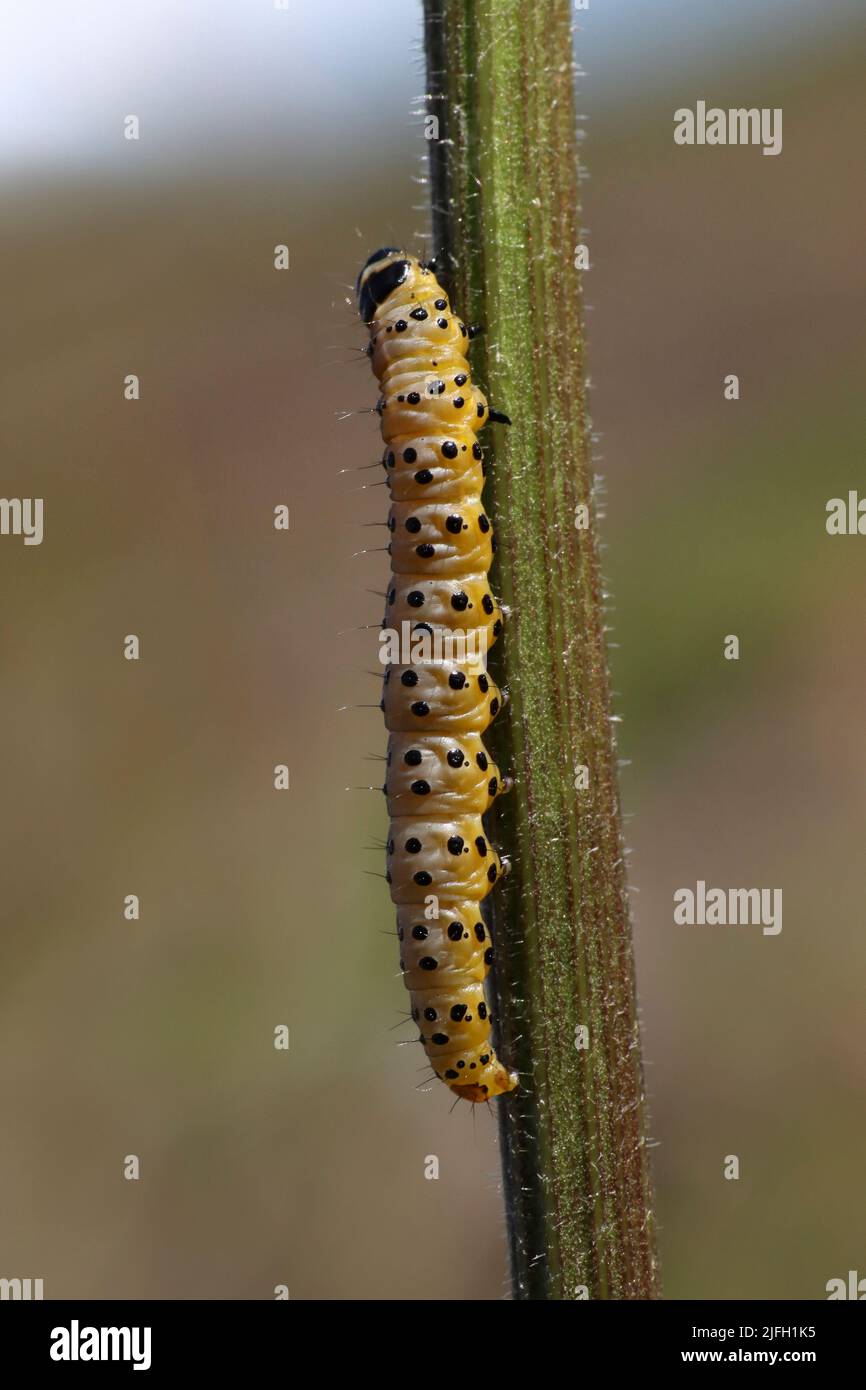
440	780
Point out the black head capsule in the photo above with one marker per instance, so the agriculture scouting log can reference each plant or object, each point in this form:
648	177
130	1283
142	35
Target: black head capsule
379	277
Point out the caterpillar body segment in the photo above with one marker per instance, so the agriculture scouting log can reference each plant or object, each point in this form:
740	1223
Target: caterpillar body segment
420	472
452	774
458	536
438	699
449	859
450	604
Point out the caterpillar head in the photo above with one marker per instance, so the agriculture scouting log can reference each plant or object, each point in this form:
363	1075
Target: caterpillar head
380	275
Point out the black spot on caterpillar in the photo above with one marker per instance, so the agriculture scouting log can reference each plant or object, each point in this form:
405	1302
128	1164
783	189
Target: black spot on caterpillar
440	779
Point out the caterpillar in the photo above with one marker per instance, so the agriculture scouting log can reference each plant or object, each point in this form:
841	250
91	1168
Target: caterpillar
440	780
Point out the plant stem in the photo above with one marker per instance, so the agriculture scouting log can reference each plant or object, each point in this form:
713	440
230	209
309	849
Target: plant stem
506	226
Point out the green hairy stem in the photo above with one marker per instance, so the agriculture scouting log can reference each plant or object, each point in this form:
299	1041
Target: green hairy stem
506	225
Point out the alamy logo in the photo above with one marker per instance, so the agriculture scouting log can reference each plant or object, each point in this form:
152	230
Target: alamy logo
22	516
420	645
855	1288
76	1343
846	517
734	907
736	126
23	1289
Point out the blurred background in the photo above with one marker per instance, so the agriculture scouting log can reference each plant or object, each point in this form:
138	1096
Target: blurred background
261	126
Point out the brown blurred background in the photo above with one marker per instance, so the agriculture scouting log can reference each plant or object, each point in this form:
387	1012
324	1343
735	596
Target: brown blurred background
155	1037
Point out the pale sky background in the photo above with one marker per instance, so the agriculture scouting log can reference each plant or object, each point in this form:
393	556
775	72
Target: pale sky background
212	78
